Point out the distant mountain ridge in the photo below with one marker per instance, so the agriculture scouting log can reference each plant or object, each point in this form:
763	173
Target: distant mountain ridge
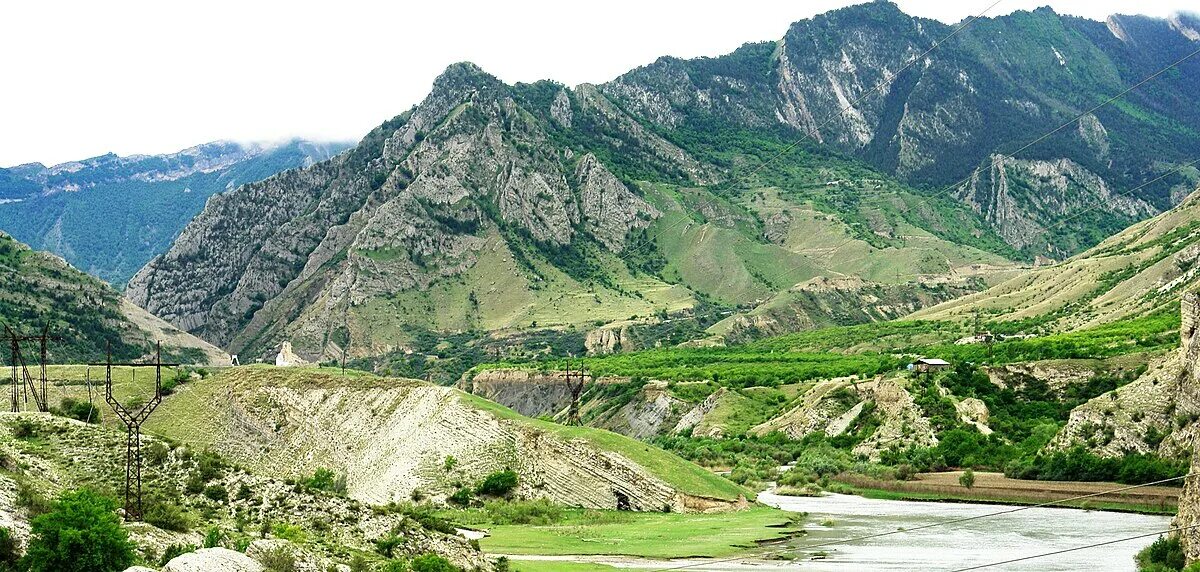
110	214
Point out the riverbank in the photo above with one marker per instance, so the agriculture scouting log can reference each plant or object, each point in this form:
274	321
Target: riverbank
517	529
995	488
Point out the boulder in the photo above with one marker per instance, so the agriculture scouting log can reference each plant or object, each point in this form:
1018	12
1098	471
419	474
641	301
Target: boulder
213	560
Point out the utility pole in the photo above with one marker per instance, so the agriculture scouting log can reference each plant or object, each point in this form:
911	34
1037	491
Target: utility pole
133	427
576	380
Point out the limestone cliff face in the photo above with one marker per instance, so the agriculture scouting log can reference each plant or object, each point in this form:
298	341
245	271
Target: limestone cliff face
833	407
529	393
1025	200
1189	499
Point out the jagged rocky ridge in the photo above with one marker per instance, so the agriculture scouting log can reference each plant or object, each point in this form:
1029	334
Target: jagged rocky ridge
985	92
490	206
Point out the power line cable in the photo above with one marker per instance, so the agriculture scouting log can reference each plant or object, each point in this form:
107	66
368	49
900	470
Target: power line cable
933	525
1066	550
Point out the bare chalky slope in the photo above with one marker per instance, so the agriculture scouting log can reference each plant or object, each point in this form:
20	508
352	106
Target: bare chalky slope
392	437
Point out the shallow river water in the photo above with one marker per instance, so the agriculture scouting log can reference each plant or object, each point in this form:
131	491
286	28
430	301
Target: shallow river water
1024	533
1028	532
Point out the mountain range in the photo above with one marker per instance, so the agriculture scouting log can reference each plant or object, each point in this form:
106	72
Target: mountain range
109	215
688	185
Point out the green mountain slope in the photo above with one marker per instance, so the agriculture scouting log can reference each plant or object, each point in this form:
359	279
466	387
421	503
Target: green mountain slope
39	289
1136	272
979	97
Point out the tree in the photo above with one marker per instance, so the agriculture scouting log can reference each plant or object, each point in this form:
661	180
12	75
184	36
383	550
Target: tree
81	533
498	484
10	552
967	479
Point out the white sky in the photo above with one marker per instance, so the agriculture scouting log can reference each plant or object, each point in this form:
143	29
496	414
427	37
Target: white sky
84	78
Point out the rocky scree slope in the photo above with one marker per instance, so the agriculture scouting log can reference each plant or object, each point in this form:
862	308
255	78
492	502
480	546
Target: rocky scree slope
109	215
39	289
44	455
392	438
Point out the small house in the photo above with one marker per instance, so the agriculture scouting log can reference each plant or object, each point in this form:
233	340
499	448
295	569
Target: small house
927	365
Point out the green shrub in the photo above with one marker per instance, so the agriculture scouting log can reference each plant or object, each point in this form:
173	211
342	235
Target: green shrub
173	551
166	515
194	483
394	566
1166	553
216	493
326	480
322	480
967	478
279	559
359	564
387	545
433	563
537	512
213	537
289	532
498	484
24	429
81	533
461	497
30	499
79	410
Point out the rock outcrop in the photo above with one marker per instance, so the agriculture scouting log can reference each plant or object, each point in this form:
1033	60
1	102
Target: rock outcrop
213	560
1188	516
392	437
835	406
531	393
1156	413
287	357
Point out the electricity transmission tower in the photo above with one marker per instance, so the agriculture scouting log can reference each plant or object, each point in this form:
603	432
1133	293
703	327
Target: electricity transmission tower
23	384
576	380
133	427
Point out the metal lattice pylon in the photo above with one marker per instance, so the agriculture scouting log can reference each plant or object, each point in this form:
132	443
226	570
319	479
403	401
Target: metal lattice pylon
23	384
576	380
133	427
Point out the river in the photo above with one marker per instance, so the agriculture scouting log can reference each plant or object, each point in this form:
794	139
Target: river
944	548
1024	533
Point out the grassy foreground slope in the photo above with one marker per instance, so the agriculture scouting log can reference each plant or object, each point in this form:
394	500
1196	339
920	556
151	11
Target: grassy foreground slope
395	436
